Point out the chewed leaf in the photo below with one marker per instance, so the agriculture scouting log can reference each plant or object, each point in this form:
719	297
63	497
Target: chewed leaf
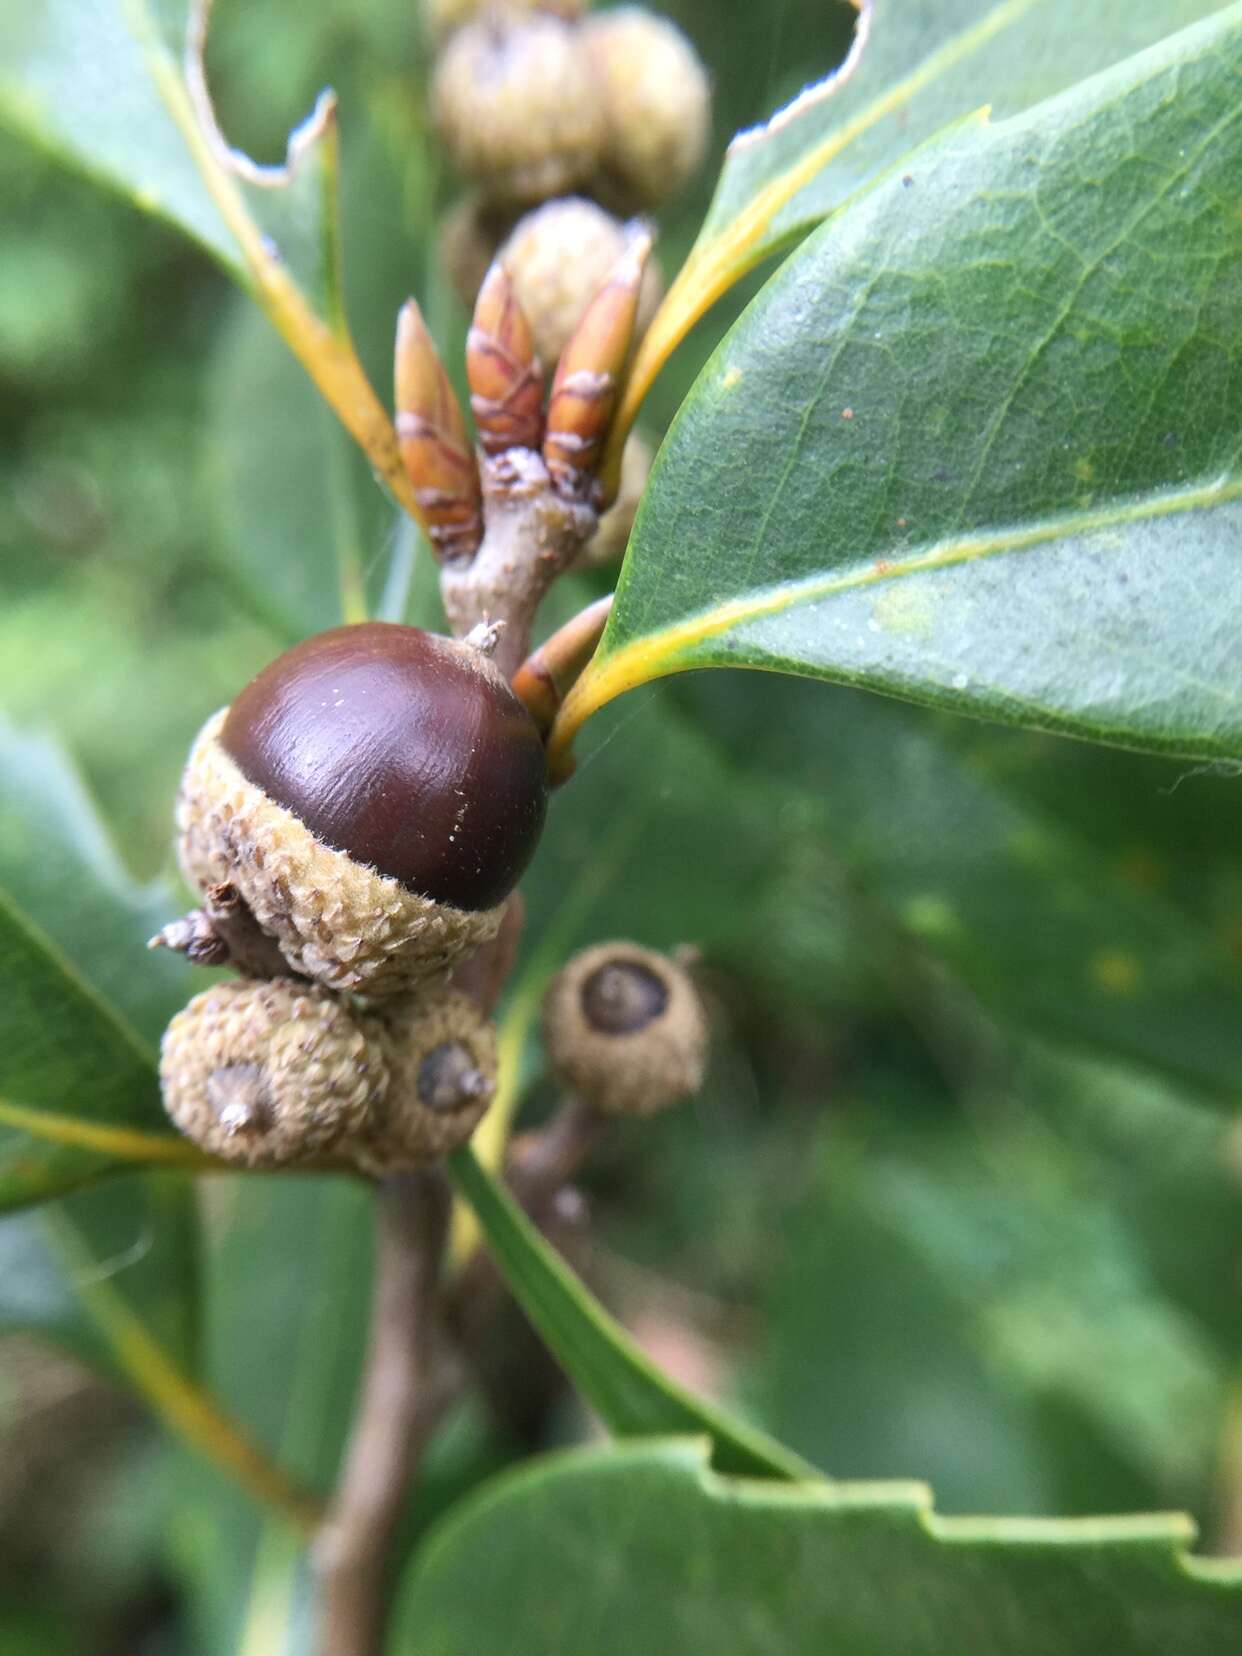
914	67
702	1562
119	89
976	443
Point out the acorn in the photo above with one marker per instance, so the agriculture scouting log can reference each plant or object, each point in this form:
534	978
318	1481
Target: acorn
271	1072
657	102
441	1057
517	102
624	1029
369	800
558	258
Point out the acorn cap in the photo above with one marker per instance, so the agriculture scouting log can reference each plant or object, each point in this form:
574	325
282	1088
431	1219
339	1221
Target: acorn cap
624	1028
517	102
336	920
441	1056
657	102
271	1072
559	257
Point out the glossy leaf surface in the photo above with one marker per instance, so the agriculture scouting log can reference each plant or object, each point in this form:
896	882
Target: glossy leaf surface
977	442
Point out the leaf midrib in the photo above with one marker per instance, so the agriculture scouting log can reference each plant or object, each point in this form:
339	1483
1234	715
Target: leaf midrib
659	653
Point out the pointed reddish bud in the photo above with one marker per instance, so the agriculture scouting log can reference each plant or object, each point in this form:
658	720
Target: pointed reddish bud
435	445
506	381
548	674
588	377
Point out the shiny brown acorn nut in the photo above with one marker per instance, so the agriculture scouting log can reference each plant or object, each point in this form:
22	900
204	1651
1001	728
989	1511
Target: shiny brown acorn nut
441	1056
517	103
272	1073
624	1029
372	797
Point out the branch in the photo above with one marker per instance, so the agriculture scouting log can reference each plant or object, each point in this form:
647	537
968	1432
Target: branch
411	1377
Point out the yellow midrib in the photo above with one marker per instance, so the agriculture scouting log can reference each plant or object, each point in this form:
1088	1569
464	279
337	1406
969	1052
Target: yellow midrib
126	1143
659	653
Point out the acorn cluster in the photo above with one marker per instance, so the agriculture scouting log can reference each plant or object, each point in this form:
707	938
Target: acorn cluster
354	824
599	116
534	100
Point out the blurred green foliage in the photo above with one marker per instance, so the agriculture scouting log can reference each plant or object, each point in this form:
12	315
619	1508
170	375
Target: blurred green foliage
939	1213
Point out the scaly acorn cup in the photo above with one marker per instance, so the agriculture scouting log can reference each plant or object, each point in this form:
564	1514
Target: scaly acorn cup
441	1056
657	103
369	801
624	1029
559	257
518	105
272	1073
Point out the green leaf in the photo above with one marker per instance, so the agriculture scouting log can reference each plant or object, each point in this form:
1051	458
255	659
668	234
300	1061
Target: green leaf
78	1089
957	854
283	1350
111	1273
1055	1371
85	80
921	64
118	89
620	1382
60	867
645	1548
915	67
976	443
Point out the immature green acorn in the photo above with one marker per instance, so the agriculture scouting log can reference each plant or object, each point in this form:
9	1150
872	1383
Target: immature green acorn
517	102
370	800
441	1057
657	102
624	1029
559	257
270	1073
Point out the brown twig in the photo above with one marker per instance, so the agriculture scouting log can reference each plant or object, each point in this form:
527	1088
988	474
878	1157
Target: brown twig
412	1375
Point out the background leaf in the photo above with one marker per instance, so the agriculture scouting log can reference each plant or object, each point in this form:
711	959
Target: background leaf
68	1051
79	79
699	1562
629	1392
957	450
1057	1371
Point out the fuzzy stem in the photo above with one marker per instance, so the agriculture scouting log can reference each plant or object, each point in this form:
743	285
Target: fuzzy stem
531	535
411	1377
